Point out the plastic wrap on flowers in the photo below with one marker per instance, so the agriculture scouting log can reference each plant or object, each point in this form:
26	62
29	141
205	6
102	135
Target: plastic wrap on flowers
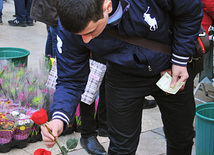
22	91
5	105
78	119
35	134
6	129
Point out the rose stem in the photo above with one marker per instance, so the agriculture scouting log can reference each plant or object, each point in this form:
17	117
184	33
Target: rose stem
54	138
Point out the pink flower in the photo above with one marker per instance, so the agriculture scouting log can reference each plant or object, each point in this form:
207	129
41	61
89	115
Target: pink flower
78	111
21	96
96	104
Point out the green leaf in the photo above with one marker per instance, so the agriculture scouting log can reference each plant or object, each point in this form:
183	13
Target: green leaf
71	143
2	73
64	150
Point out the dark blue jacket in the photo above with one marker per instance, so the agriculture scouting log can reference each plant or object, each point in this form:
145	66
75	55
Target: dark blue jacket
172	22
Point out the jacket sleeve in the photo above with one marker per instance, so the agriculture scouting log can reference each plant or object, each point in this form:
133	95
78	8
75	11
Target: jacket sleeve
186	18
72	71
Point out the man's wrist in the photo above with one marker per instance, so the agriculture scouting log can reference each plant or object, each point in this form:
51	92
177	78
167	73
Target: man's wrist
179	60
60	115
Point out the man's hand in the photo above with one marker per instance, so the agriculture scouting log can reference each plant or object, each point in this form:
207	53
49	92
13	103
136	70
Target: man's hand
179	74
56	126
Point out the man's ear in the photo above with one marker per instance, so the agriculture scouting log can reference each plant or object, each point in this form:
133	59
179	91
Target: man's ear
107	6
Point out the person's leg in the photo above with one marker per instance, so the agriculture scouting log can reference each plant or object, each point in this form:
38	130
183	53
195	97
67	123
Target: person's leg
178	113
20	14
51	43
88	123
48	46
102	114
124	97
20	10
53	31
88	138
15	9
1	8
28	7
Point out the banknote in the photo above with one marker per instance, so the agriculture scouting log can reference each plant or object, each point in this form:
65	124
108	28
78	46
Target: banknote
164	84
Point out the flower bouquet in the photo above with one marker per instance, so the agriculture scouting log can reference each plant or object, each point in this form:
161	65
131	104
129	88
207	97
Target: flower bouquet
7	127
22	92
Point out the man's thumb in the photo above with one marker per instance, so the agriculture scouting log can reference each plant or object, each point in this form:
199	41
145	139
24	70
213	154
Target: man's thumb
173	82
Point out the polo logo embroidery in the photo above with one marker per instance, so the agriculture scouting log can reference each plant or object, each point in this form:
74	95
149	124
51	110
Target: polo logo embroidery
151	21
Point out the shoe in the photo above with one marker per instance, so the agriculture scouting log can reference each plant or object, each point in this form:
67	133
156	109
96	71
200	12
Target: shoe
148	104
92	146
15	22
30	23
1	22
10	21
102	132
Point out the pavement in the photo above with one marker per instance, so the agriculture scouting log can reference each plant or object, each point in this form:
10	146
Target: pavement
33	38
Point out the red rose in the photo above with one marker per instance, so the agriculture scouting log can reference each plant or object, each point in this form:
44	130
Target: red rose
40	117
42	152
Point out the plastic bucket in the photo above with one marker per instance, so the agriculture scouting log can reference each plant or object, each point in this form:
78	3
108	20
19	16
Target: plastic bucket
18	56
204	127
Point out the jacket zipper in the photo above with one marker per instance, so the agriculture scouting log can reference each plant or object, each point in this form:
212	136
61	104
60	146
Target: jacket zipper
149	68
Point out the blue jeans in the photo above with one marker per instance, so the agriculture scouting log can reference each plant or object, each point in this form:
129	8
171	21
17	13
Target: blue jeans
22	11
51	43
1	7
125	93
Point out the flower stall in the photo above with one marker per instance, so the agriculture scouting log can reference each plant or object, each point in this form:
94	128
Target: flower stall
22	92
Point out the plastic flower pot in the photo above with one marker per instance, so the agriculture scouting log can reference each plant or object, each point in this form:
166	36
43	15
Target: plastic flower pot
204	127
6	130
18	56
6	136
23	127
13	144
22	133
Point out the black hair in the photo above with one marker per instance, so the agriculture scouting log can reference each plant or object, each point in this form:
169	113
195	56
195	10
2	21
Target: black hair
75	15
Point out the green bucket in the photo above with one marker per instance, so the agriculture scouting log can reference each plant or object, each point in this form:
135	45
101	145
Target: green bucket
204	127
18	56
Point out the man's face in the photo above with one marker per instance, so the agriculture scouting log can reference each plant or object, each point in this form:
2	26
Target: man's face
94	29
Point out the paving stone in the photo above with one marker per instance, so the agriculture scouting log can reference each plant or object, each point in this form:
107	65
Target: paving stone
33	38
